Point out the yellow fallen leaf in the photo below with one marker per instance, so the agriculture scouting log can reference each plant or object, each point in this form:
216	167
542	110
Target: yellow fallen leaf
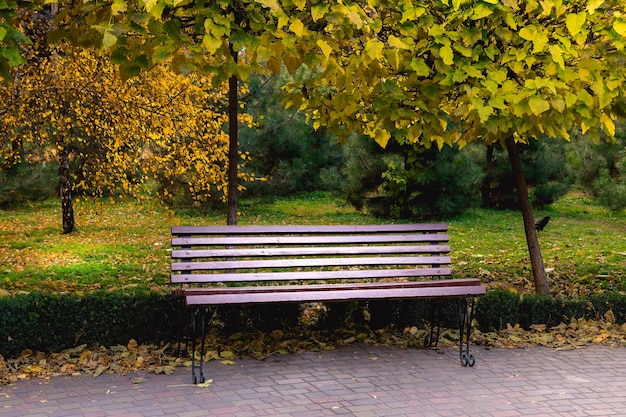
132	345
167	370
205	384
227	354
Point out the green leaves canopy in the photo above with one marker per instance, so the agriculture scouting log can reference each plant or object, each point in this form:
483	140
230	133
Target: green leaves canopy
457	71
11	39
203	35
443	71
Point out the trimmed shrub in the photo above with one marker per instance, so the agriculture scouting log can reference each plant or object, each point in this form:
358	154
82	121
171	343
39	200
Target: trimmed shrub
499	307
496	309
53	322
540	309
602	303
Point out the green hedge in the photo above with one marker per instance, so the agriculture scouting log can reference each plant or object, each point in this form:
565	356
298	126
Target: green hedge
51	323
501	307
48	323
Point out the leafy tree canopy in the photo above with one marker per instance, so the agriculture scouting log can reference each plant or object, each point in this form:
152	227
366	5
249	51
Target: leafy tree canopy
11	38
455	71
442	71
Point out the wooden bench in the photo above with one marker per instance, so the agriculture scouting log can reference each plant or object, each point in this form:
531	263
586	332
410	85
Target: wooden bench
222	265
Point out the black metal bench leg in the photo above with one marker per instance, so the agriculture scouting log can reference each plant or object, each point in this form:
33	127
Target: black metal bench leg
197	372
466	311
432	339
182	325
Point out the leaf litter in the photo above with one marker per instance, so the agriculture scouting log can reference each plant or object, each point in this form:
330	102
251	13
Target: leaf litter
98	360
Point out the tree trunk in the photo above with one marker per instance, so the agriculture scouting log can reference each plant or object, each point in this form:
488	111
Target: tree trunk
233	147
486	185
65	188
536	259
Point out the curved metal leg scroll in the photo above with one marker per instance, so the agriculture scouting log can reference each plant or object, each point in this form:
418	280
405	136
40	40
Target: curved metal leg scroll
466	312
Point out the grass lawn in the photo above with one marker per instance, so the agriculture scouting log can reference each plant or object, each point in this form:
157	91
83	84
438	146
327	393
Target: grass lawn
125	245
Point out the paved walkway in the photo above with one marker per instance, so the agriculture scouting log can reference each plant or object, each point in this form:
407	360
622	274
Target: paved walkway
352	381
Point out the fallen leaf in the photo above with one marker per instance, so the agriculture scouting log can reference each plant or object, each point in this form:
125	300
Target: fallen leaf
167	370
205	384
227	354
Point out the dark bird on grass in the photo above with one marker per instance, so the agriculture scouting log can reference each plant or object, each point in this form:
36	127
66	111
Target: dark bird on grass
542	223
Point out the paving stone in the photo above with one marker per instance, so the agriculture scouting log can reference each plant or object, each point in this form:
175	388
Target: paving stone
357	380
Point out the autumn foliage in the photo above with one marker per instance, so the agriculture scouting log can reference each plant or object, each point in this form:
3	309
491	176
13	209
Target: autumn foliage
110	136
159	128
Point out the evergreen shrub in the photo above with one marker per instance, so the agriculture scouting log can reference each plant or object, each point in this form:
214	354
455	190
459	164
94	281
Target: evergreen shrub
53	322
501	307
601	167
496	309
28	182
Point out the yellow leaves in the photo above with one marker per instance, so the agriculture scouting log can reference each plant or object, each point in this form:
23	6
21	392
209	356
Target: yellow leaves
325	47
300	4
352	12
382	137
592	5
419	67
108	39
210	42
117	7
398	43
297	27
412	11
394	59
270	4
446	54
536	35
556	52
538	105
607	124
319	10
80	360
586	98
373	49
574	22
154	7
619	26
481	10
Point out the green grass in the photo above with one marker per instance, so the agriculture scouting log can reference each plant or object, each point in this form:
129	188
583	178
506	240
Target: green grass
125	245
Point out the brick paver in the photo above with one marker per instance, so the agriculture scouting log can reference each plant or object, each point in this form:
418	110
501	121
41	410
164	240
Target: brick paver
352	381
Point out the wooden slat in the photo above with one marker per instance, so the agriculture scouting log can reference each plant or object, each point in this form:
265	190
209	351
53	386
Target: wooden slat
328	287
337	295
308	240
309	250
310	275
308	229
312	262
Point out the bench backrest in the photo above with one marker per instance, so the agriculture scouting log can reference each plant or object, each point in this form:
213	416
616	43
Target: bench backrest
292	254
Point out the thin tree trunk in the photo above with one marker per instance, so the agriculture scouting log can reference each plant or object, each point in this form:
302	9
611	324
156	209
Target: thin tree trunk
536	259
486	185
65	188
233	147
